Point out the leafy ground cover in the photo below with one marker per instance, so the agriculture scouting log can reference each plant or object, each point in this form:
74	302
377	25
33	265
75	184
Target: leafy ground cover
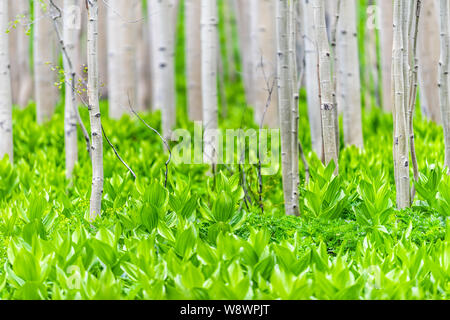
198	239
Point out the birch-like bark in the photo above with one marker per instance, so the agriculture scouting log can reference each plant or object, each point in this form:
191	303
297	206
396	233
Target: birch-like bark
243	20
21	78
162	26
102	48
122	46
326	87
264	61
386	40
444	76
94	110
209	40
193	59
311	78
6	134
349	86
284	75
143	62
45	59
370	73
428	55
71	37
292	31
401	147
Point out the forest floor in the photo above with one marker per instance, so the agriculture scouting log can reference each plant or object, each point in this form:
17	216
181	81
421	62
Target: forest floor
198	239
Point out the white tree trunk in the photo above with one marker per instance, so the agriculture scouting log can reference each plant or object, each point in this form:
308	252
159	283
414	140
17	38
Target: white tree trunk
243	20
328	109
162	26
122	48
143	62
401	145
264	61
193	59
94	110
71	37
386	40
45	59
349	83
311	77
102	48
284	76
428	55
292	32
6	135
21	78
444	76
209	41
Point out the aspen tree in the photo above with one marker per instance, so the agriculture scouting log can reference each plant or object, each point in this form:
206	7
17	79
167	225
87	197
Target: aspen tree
162	26
444	76
6	134
370	74
264	61
428	55
122	48
71	37
21	78
311	77
401	146
386	40
94	110
243	20
143	60
349	83
102	48
326	87
45	61
292	28
209	40
284	76
193	58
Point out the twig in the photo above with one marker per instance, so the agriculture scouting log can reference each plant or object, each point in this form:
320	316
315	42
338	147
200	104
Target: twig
117	154
160	136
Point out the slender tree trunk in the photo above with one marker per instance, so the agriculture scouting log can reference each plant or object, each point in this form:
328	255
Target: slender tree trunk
6	135
444	76
312	79
193	59
21	78
209	40
428	55
401	147
71	36
94	110
292	29
371	65
386	40
243	20
143	62
162	25
123	53
285	100
264	61
328	108
45	61
349	94
102	48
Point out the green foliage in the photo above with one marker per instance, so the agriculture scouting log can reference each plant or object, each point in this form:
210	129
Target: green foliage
198	239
